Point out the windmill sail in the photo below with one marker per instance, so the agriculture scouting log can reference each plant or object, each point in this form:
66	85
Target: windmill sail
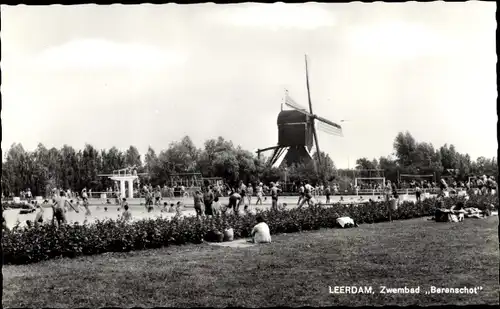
329	127
291	103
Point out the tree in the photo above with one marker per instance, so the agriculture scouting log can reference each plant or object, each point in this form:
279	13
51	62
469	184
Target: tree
156	168
69	174
425	160
132	157
182	156
327	169
390	168
404	145
91	161
449	157
16	166
365	164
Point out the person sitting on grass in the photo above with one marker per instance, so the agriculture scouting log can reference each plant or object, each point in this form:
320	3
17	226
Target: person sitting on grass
458	212
28	223
260	232
126	216
172	208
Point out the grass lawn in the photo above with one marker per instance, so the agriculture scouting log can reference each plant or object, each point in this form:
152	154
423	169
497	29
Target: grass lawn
295	270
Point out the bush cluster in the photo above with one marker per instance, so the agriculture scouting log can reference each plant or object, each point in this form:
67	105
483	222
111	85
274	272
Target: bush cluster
29	245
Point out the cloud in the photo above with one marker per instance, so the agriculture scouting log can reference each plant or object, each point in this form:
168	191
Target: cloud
399	40
103	54
275	16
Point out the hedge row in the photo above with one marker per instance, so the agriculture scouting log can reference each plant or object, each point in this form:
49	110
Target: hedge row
29	245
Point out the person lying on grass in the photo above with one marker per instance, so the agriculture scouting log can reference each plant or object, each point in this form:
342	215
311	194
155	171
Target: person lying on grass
260	232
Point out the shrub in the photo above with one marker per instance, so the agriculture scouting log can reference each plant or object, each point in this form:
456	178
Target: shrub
29	245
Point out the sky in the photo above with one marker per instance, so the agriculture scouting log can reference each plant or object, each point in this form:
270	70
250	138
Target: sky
147	75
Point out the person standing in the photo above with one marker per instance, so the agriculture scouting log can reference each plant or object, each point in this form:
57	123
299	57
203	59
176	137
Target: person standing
39	216
302	194
387	190
29	196
259	190
274	196
418	192
243	193
158	196
443	186
308	189
198	204
208	199
328	193
234	199
59	209
249	193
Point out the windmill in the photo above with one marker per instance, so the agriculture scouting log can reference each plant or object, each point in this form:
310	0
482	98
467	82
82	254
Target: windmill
297	131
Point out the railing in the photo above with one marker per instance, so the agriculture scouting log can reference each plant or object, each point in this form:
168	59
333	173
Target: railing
124	173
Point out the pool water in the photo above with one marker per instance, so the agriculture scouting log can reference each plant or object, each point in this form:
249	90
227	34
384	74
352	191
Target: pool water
139	211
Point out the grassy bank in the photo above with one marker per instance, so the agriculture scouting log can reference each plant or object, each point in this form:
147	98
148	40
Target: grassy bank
296	270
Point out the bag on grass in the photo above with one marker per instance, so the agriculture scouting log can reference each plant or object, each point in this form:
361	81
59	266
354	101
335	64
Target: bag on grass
229	235
214	236
345	222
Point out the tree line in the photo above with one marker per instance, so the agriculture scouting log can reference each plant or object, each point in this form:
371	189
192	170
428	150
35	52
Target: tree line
421	158
44	169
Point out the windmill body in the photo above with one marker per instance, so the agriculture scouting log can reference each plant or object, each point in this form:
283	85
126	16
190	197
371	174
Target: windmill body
297	132
295	136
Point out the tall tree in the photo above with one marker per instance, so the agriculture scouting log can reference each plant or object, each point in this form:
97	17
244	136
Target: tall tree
404	145
133	157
